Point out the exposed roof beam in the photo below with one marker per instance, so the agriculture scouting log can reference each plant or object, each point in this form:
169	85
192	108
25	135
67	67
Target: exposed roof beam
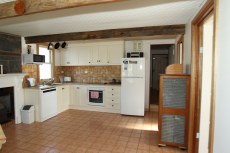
112	33
7	10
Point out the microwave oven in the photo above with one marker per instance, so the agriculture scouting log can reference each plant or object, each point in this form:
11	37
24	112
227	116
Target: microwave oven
33	59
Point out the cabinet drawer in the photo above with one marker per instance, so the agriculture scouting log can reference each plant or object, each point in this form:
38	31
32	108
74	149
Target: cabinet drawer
113	105
113	100
113	89
112	95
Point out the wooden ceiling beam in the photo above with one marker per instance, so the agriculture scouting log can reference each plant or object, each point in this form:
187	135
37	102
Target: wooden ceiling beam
112	33
7	10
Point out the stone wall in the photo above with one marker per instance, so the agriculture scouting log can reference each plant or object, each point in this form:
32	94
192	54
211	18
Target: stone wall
10	53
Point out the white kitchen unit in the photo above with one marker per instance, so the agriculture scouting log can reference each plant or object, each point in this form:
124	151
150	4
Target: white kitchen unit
84	55
112	98
57	57
69	57
78	96
44	100
99	55
63	97
115	53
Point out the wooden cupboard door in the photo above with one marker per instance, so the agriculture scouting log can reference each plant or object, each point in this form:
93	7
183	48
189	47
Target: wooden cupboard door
59	99
102	54
76	96
57	58
115	53
84	55
173	110
65	97
94	54
69	57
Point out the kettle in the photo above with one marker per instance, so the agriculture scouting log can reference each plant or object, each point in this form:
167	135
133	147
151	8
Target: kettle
31	81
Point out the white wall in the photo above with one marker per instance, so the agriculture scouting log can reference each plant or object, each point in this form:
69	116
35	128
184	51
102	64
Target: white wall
146	49
222	113
206	89
187	48
172	57
24	47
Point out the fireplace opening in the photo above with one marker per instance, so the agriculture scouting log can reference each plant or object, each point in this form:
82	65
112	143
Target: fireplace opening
7	113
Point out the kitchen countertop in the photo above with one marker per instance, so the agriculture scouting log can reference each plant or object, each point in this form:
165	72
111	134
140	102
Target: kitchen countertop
71	83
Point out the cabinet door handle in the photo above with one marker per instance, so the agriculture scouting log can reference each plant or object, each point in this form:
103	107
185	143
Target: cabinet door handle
112	94
112	105
68	62
78	88
112	89
63	88
112	100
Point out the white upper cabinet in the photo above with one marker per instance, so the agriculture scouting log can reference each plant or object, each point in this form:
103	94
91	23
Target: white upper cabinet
69	57
57	57
99	53
84	55
115	53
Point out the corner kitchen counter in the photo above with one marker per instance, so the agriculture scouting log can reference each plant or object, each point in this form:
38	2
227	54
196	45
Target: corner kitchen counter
74	95
72	83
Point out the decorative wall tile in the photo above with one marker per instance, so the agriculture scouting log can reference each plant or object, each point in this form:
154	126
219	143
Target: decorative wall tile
89	74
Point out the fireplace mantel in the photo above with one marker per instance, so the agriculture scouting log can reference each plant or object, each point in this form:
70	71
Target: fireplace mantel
14	80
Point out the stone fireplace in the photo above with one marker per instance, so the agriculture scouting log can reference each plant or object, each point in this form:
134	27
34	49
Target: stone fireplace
14	81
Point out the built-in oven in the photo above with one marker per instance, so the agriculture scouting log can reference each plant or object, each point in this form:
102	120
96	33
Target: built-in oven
96	96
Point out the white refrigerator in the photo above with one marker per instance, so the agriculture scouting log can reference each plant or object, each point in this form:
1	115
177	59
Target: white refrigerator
133	86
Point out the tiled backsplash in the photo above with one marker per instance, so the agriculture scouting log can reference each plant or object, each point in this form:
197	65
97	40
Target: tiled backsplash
81	74
31	71
89	74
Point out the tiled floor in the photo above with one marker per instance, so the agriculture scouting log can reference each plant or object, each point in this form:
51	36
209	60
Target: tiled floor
77	131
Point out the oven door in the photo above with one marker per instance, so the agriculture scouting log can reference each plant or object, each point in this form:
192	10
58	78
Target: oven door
96	96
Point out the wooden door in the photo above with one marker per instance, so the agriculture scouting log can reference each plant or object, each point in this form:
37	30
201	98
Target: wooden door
159	64
197	74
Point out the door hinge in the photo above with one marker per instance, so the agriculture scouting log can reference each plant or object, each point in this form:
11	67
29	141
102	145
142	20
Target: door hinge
198	135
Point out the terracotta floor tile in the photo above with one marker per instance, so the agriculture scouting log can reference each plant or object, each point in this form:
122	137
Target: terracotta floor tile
75	131
130	151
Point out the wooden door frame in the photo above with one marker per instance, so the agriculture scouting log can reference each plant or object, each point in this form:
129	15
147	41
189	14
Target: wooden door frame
203	13
180	40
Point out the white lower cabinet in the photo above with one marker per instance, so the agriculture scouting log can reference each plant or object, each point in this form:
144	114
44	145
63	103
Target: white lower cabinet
78	96
63	98
112	98
32	97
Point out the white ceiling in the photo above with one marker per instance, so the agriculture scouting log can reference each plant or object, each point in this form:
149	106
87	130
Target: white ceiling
131	13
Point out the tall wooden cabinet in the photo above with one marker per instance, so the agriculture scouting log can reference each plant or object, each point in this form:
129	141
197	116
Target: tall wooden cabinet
174	110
